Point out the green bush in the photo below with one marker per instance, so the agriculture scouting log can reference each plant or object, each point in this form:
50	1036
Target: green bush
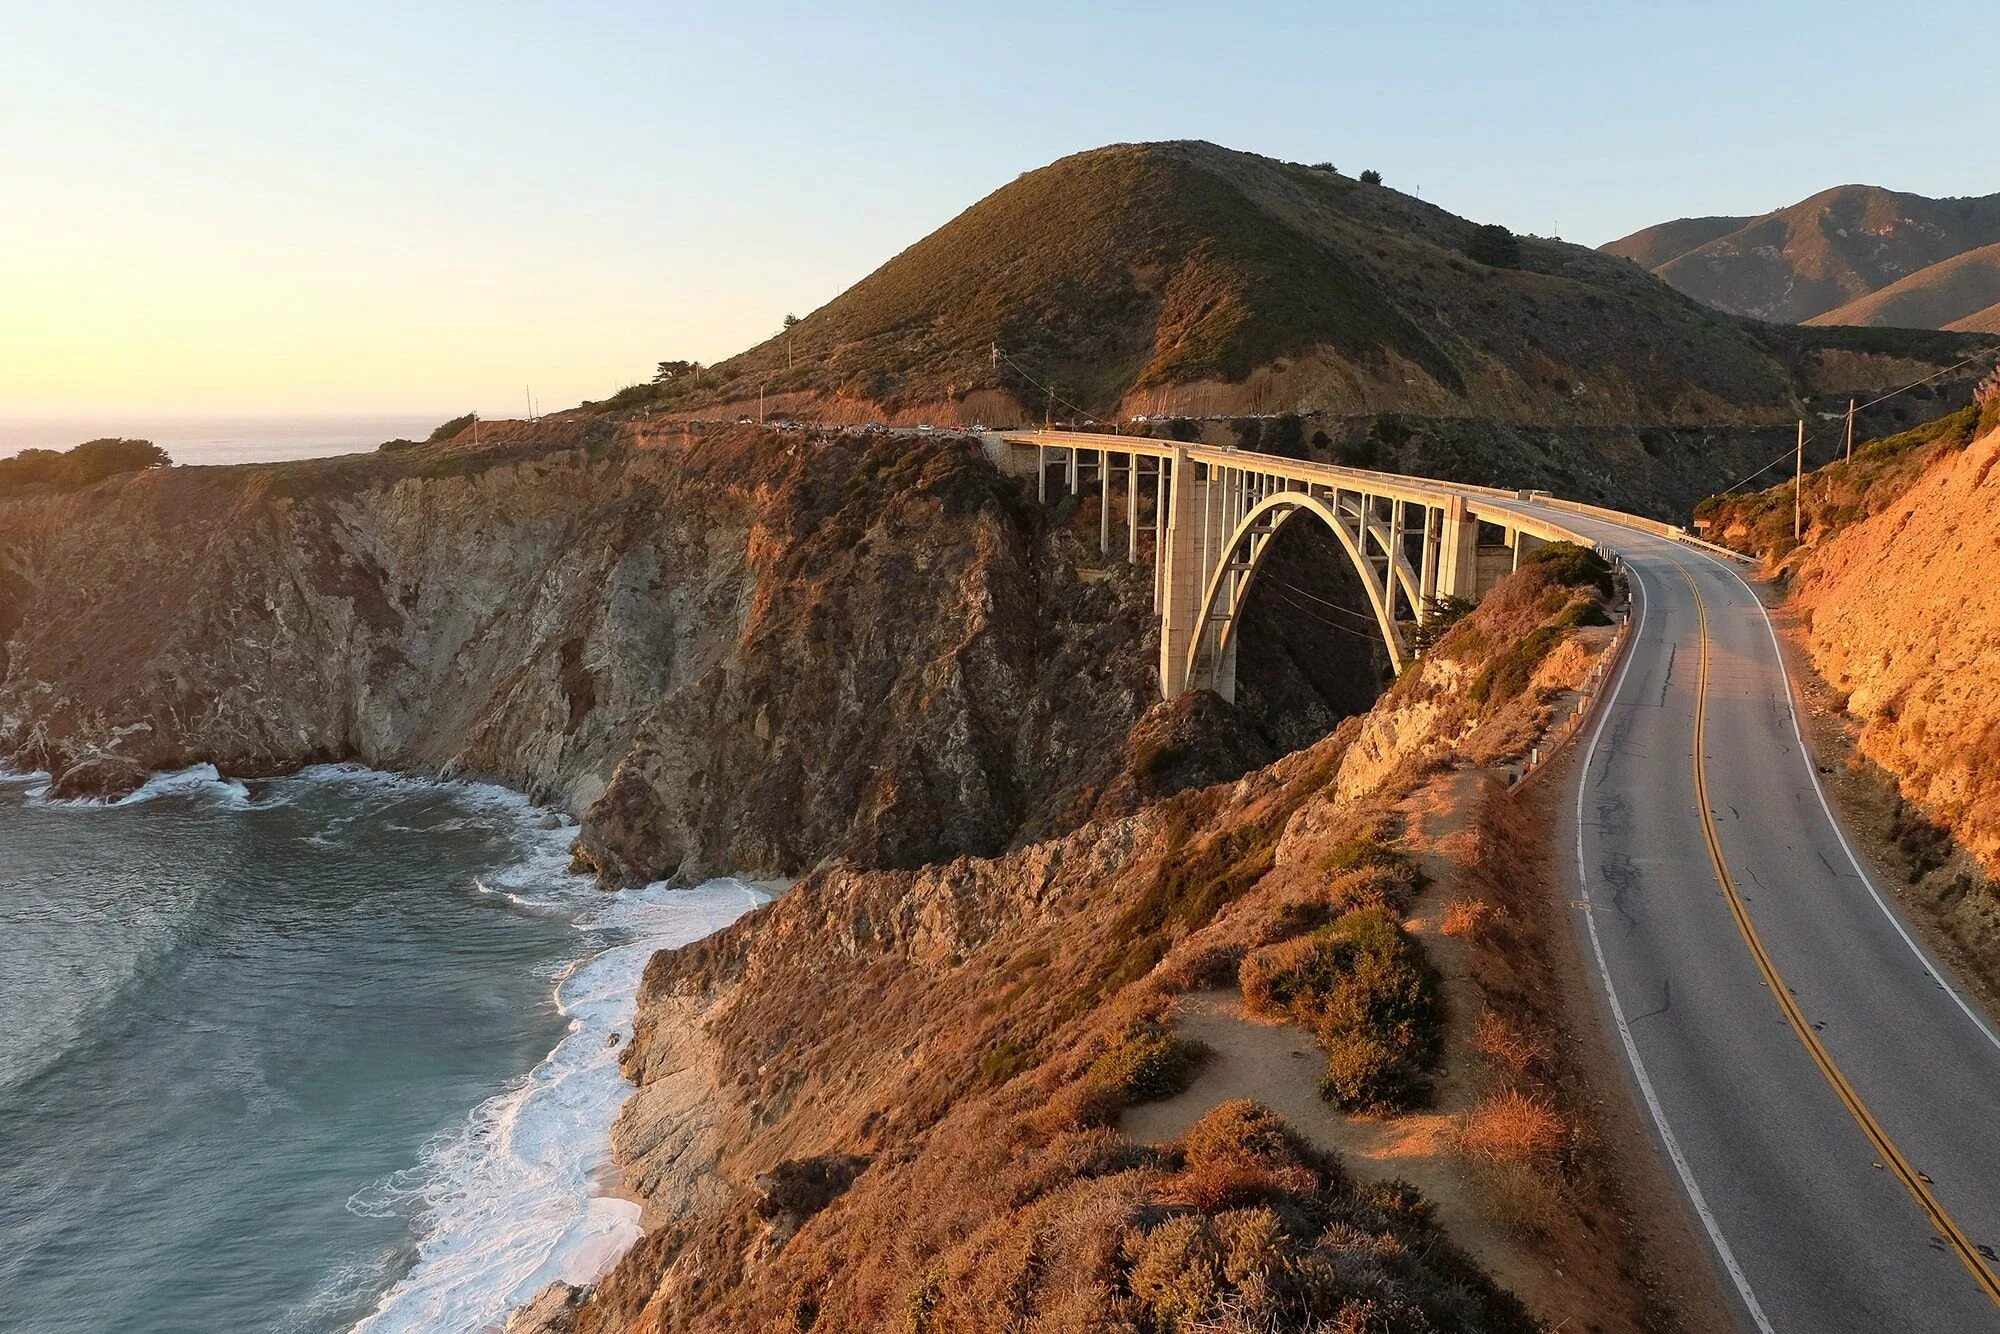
91	461
1572	564
1364	988
1148	1062
1495	247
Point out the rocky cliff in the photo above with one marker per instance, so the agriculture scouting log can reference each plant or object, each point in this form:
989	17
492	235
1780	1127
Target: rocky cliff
891	1099
738	650
742	651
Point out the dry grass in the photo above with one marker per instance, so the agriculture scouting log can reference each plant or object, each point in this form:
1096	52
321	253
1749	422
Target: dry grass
1465	916
1511	1127
1511	1047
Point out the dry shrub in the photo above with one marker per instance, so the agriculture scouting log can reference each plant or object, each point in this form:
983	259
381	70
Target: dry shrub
1363	987
1465	917
1149	1061
1511	1127
1510	1046
1190	967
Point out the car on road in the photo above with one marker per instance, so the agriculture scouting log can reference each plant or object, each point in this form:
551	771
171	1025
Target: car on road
924	428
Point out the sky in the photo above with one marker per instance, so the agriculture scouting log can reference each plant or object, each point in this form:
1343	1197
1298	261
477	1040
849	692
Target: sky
353	207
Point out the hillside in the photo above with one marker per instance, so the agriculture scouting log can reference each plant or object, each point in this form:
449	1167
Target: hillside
1653	246
1986	321
1184	278
1940	296
931	1101
1897	589
1818	255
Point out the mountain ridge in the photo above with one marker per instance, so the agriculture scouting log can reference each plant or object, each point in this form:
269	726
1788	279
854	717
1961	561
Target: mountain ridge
1810	261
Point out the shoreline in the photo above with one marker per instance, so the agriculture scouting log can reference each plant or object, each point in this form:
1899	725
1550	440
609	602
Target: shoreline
525	1180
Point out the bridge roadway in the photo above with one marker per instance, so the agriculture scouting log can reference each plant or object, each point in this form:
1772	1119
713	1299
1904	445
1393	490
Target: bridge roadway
1826	1097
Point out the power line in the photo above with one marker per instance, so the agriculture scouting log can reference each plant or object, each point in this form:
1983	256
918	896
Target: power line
1795	449
1054	397
1308	612
1345	611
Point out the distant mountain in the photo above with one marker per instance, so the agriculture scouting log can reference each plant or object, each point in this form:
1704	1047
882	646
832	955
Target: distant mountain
1986	321
1821	256
1669	240
1935	297
1188	278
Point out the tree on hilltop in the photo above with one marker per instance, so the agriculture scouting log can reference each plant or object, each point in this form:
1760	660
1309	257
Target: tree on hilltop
1371	177
671	371
91	461
1495	247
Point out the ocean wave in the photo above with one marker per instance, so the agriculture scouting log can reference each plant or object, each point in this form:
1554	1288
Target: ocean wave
200	780
507	1201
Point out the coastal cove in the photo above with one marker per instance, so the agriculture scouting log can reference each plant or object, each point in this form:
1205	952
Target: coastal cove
317	1053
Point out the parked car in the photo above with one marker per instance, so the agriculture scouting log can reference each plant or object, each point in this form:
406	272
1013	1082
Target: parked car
924	428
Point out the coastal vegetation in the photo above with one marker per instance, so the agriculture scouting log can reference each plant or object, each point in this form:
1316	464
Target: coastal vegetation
84	464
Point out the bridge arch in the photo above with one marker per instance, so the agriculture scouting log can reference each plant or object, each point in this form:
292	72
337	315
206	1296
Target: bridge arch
1211	652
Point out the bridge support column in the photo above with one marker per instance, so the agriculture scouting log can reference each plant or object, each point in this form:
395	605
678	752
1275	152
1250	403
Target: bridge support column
1180	571
1132	508
1427	570
1458	551
1104	502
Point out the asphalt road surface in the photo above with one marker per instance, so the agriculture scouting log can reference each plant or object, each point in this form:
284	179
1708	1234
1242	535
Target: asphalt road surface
1827	1100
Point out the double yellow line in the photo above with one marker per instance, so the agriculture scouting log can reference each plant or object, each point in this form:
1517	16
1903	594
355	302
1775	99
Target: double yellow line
1892	1157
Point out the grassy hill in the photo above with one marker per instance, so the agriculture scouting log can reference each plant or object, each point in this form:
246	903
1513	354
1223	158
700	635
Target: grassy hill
1986	321
1187	278
1819	255
1655	245
1934	297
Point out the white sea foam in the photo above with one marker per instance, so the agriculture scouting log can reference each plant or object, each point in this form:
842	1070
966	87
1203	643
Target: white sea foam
507	1201
201	780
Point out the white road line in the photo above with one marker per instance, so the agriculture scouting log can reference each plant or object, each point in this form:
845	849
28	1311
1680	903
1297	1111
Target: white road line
1812	773
1653	1107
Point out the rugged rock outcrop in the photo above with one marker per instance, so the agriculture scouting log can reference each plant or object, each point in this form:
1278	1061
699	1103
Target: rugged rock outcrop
744	650
1904	619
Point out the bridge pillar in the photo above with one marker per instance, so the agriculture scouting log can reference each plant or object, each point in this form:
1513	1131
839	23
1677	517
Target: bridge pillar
1179	542
1458	550
1132	507
1104	502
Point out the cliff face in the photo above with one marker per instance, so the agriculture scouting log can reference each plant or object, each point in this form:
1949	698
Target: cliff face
1900	608
1904	611
744	651
890	1099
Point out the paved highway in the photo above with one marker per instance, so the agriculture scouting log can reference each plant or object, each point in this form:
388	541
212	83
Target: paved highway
1829	1102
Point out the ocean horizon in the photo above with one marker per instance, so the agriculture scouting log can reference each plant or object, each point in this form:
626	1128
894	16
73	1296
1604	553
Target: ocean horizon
223	438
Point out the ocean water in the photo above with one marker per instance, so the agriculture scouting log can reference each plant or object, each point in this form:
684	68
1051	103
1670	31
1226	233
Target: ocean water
324	1053
259	439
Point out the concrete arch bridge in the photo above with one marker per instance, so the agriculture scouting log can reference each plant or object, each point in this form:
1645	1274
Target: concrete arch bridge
1217	509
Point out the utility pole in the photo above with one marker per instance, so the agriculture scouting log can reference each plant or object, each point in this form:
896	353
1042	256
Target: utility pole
1798	487
1049	413
760	401
1850	430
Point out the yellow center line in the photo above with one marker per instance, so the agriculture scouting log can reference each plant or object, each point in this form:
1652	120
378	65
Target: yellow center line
1912	1180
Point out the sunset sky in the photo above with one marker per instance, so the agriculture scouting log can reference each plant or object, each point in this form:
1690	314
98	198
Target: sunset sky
340	208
